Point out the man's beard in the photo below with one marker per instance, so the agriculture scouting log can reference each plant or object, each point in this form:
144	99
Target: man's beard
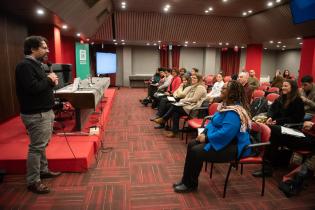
43	59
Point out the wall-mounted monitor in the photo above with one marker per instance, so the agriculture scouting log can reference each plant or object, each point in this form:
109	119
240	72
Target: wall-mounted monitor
105	63
302	10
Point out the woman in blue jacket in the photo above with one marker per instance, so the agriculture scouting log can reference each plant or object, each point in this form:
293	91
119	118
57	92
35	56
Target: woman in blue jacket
222	140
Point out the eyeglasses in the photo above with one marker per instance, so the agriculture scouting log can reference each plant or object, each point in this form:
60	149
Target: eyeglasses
44	48
194	77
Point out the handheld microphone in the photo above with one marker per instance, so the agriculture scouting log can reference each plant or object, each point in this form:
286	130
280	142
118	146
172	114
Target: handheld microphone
50	67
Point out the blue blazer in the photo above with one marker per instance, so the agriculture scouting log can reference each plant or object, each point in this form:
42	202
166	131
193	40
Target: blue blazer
224	127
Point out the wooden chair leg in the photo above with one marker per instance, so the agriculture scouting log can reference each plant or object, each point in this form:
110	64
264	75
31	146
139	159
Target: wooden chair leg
206	165
263	180
227	179
211	169
241	169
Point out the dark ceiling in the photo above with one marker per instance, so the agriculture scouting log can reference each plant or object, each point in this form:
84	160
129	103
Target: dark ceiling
144	21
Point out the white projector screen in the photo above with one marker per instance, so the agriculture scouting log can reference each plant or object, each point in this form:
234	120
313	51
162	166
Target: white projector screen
105	63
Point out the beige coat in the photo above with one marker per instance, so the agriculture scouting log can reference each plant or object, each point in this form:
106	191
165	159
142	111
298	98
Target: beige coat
180	92
194	97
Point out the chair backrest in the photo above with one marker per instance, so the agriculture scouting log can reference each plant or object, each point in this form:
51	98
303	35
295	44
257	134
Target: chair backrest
263	88
271	97
265	84
213	108
263	129
209	80
258	94
273	90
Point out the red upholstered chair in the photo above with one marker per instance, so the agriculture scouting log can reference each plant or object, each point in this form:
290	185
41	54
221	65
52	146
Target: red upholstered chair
263	88
258	94
264	131
271	97
273	90
265	84
196	123
209	80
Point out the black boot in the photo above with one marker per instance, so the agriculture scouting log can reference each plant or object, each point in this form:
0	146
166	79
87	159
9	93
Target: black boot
259	173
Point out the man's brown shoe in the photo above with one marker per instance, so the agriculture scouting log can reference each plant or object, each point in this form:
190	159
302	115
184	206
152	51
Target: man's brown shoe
38	188
171	134
49	174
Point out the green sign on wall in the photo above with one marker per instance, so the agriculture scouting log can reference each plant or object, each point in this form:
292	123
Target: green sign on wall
82	57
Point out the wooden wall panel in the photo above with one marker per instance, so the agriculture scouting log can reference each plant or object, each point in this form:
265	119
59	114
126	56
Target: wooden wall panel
11	43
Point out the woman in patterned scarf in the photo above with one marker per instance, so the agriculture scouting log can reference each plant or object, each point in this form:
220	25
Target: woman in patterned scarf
222	140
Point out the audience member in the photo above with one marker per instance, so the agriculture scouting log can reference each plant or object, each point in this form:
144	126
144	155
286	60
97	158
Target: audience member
192	100
277	80
308	94
182	72
216	89
222	140
288	108
252	79
286	74
243	79
153	86
194	71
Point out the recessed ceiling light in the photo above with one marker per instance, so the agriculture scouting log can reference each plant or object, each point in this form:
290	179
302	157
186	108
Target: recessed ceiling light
194	42
78	34
154	44
64	26
165	9
278	45
224	0
270	4
283	49
227	43
210	9
242	47
123	3
284	46
278	1
40	12
206	11
185	45
271	42
123	43
114	40
244	13
220	43
250	11
279	42
148	44
159	41
123	6
298	38
265	48
186	42
167	6
122	40
92	43
300	43
115	43
87	39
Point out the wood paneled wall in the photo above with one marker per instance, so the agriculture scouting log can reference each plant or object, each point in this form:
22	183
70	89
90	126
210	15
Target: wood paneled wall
12	35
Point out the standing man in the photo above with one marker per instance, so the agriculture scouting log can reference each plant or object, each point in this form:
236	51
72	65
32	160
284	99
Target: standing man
35	94
252	79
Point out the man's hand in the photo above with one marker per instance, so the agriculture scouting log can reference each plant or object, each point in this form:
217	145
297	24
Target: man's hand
201	138
53	78
307	125
270	121
304	99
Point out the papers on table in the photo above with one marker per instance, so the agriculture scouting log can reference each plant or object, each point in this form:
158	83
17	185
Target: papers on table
154	84
179	104
159	94
200	130
292	132
171	99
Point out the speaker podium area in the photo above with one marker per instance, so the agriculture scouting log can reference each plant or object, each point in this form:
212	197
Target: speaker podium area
73	153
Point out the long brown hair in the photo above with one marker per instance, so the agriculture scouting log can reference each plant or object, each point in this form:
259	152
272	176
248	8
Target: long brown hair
236	95
291	96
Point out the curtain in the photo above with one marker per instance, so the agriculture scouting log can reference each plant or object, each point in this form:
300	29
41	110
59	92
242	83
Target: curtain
175	56
164	56
230	61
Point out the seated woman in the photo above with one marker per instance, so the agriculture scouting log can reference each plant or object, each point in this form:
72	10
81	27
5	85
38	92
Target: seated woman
154	82
287	109
286	74
277	80
216	89
222	140
178	94
192	100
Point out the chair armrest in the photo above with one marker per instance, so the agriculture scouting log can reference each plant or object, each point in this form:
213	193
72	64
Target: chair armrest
293	125
197	108
263	144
